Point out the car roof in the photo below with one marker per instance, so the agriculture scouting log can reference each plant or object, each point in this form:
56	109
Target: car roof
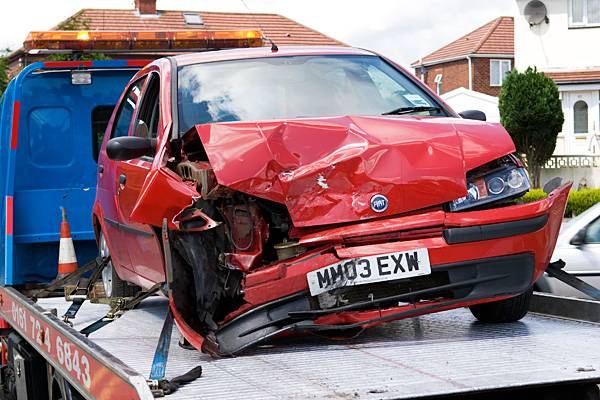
260	52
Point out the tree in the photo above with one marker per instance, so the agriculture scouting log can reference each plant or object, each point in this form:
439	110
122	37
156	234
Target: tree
76	23
3	74
531	111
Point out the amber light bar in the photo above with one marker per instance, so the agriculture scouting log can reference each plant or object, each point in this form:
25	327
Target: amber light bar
142	40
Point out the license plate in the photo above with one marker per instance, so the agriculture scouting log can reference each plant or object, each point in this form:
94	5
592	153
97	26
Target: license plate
365	270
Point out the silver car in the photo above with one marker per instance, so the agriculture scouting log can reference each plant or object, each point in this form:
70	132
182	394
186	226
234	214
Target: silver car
579	246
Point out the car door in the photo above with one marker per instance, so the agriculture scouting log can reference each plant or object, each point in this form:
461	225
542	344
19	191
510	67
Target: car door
107	176
582	259
143	241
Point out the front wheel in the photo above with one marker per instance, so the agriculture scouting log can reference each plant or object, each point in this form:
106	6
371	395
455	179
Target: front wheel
508	310
113	285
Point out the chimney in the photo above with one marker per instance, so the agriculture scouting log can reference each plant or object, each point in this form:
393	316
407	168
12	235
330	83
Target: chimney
146	7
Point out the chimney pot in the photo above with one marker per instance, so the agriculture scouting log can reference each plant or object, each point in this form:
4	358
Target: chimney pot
146	6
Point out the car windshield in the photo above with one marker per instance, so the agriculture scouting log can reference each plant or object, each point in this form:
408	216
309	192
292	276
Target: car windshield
296	87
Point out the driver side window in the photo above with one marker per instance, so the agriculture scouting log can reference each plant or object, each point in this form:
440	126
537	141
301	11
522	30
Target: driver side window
146	123
127	109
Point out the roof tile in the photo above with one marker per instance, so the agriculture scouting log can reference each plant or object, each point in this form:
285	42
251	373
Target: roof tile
495	37
280	29
581	76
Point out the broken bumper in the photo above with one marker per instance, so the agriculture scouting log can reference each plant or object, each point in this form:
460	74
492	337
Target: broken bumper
475	257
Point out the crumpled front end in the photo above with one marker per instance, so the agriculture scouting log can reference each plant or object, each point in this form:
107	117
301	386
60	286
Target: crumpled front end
475	257
273	229
328	170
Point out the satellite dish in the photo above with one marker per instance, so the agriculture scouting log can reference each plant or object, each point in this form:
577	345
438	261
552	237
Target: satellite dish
536	13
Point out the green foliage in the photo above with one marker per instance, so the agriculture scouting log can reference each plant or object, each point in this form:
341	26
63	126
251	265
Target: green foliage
531	111
533	195
578	201
3	74
78	57
75	23
582	200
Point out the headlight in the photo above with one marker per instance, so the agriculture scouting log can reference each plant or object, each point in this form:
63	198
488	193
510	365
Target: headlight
498	184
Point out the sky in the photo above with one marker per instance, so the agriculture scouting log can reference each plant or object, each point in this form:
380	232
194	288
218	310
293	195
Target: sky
404	30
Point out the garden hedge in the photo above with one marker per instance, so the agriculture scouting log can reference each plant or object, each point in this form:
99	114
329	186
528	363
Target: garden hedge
578	202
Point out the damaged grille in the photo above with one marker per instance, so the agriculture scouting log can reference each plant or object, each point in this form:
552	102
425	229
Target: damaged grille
381	290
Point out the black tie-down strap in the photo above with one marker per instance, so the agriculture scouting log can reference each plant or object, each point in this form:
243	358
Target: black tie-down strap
80	293
97	264
158	384
118	308
165	387
555	270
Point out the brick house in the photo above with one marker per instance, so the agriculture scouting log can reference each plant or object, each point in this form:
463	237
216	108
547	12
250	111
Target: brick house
282	30
477	61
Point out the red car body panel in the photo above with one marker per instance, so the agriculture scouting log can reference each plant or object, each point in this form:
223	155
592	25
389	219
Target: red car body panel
287	279
325	172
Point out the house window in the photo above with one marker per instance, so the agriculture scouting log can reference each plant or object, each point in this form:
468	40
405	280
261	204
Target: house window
584	13
438	84
580	117
498	71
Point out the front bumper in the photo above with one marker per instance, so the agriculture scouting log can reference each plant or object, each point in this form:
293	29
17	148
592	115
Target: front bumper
470	281
475	257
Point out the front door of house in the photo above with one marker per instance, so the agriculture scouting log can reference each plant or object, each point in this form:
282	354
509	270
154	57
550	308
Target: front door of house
582	125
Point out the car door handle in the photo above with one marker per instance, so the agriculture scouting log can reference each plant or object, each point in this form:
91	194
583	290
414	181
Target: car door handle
122	180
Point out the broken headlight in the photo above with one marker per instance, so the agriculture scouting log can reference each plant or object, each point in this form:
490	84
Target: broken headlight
498	184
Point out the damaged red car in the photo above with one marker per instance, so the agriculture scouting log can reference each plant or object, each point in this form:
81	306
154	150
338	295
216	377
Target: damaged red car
311	190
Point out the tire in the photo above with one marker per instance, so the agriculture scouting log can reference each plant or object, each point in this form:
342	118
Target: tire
509	310
113	285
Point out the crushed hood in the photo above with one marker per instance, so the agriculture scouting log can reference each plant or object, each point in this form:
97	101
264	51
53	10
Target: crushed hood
326	170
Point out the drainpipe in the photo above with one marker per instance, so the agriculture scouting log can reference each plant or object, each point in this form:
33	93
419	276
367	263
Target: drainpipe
470	72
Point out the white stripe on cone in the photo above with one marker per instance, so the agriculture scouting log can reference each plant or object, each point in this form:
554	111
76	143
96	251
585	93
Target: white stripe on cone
66	254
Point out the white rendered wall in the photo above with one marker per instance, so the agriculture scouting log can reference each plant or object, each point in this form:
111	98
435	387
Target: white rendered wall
555	46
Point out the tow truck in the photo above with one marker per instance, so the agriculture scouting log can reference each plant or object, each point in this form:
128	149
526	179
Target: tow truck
51	121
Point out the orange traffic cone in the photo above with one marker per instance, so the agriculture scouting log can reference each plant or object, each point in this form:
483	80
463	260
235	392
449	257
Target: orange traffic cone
67	261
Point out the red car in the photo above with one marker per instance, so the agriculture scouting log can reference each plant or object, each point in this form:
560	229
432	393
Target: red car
312	190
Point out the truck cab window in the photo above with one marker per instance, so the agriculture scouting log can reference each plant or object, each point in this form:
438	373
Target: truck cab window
100	118
127	109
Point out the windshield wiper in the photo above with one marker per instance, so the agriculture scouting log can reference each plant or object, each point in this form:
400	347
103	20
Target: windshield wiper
408	110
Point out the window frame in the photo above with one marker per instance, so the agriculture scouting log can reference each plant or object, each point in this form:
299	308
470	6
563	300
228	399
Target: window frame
587	115
113	128
584	23
500	61
438	83
150	78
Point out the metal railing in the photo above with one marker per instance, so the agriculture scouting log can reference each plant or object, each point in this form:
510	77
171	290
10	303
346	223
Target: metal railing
573	161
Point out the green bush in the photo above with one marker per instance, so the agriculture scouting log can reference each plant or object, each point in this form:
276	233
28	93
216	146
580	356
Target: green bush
533	195
578	201
581	200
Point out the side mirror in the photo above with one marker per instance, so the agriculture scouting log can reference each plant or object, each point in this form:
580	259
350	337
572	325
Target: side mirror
129	147
579	238
473	114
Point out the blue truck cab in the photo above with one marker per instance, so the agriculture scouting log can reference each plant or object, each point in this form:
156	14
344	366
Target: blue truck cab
52	120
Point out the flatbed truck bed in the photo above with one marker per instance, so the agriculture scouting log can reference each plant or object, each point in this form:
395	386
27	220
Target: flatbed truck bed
442	354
